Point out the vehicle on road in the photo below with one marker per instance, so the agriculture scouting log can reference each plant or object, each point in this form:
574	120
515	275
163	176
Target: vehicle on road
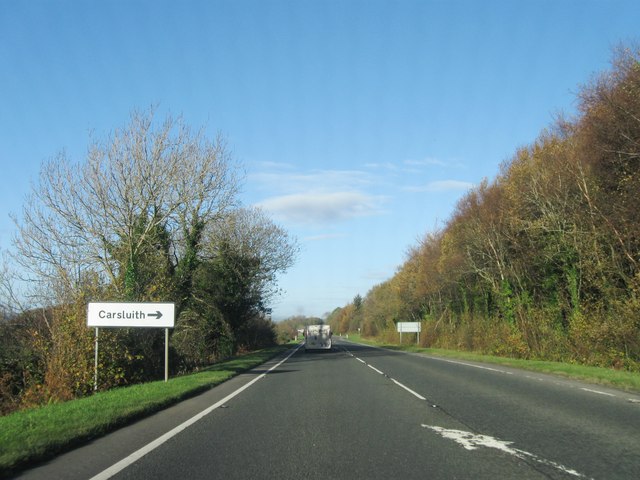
317	337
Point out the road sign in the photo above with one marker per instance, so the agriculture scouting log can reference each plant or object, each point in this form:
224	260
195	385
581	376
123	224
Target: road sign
129	314
409	327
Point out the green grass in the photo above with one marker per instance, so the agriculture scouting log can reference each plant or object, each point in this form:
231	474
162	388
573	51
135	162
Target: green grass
41	433
629	381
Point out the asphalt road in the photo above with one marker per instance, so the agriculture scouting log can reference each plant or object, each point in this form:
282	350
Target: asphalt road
361	412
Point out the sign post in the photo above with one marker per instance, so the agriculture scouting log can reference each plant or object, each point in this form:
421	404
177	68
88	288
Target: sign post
131	315
409	327
166	354
95	373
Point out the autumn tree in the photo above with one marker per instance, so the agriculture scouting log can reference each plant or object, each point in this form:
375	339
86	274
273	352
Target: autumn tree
541	261
126	223
234	278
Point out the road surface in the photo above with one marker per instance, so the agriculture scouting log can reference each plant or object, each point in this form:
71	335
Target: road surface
363	412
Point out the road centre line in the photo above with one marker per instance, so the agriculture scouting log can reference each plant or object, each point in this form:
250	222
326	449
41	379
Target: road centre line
408	389
125	462
471	441
412	392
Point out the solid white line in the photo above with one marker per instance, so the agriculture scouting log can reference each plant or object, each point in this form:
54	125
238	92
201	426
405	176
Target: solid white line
125	462
471	365
598	392
408	389
375	369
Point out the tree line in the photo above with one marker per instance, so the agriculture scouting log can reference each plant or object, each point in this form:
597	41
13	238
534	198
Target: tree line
542	261
151	214
289	328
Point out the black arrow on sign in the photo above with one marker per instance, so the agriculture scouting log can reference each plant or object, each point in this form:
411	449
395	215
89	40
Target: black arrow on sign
158	314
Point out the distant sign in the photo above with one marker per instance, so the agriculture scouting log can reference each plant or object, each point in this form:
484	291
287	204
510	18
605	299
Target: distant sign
128	314
409	327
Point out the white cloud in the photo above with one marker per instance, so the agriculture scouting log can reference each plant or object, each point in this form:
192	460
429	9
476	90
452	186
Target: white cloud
383	166
442	186
317	180
426	162
322	207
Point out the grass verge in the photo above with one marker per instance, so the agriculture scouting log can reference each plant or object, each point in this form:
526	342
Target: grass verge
37	434
629	381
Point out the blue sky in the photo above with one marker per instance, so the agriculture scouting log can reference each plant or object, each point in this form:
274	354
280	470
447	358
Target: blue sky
359	123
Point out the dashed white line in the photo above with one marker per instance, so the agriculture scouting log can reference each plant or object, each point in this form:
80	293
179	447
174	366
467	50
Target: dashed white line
408	389
375	369
412	392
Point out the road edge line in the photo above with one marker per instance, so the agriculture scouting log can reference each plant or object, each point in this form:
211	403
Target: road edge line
141	452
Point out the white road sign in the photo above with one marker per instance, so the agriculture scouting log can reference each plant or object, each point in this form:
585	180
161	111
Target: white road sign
409	327
127	314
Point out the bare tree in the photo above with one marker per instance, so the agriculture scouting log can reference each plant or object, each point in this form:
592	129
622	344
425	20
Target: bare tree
96	217
252	234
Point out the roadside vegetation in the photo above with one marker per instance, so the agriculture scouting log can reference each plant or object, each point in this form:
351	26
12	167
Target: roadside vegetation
36	434
542	262
151	214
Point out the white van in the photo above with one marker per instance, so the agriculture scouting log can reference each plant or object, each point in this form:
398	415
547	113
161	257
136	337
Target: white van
317	337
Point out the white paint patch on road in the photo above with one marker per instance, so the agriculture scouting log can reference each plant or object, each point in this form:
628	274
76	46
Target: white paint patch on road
473	441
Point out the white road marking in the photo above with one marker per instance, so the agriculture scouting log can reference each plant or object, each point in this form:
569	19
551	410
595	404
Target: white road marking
408	389
432	357
125	462
471	365
375	369
412	392
472	441
598	392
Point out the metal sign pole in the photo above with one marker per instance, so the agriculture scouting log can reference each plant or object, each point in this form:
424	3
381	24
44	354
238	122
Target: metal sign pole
166	354
95	373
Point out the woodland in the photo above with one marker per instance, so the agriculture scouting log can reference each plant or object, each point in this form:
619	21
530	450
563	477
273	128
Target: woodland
150	215
543	261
